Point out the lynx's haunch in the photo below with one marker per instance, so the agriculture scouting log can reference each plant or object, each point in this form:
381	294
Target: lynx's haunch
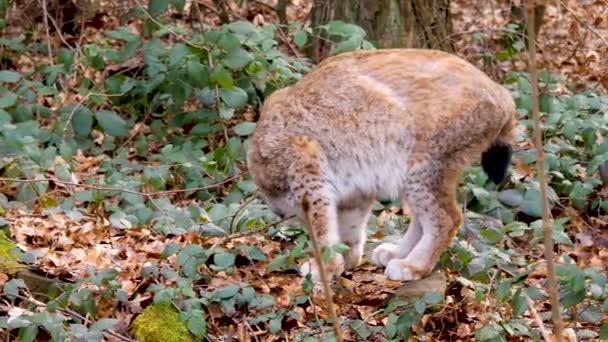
399	123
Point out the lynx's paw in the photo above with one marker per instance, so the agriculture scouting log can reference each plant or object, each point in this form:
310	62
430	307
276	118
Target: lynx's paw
384	253
400	270
335	266
353	257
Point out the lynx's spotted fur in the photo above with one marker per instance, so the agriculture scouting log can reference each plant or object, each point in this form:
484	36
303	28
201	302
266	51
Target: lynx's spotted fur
400	123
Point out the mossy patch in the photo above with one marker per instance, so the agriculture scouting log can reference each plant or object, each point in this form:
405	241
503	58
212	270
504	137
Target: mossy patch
8	257
159	323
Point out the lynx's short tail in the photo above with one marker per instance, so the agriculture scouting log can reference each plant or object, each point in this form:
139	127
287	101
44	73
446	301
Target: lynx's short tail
495	160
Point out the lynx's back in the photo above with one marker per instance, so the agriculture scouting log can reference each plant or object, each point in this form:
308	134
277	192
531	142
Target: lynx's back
380	123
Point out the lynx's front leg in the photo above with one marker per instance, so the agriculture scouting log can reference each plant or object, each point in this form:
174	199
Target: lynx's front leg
352	221
308	177
433	202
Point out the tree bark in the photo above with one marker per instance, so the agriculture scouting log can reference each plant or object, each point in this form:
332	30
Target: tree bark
391	23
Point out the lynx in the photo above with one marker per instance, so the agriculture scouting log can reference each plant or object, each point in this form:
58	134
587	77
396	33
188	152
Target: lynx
397	123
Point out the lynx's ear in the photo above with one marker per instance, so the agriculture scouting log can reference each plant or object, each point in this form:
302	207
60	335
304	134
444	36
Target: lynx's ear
495	161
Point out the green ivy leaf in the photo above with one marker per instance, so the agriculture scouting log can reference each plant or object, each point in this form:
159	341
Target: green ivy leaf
340	248
571	298
104	324
493	235
178	5
12	287
350	44
590	313
224	260
277	263
9	76
227	292
247	186
8	100
228	41
432	298
300	38
510	197
188	253
156	7
222	77
196	323
169	250
198	74
530	203
341	28
253	253
519	303
177	54
226	112
604	331
235	97
360	327
275	324
244	128
488	332
28	333
237	58
82	121
112	123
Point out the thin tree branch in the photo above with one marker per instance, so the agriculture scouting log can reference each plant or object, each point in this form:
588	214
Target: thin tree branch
540	167
133	192
168	29
232	226
538	320
58	30
48	32
254	230
316	248
71	116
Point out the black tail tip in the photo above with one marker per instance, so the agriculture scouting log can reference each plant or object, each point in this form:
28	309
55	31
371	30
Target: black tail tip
495	161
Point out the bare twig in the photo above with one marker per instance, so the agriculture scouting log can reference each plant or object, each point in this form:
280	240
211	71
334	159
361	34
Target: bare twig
254	230
287	42
316	248
232	226
482	30
67	123
48	32
538	319
138	128
168	29
133	192
217	95
540	167
282	11
58	30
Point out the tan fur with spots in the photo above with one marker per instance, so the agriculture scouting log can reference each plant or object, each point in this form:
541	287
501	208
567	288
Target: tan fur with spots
400	123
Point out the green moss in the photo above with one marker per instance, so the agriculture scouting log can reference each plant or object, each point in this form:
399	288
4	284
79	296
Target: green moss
159	323
8	260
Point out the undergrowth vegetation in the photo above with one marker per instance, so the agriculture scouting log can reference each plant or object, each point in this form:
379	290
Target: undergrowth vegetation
149	130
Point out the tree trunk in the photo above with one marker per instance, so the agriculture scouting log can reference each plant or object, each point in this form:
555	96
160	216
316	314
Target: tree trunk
391	23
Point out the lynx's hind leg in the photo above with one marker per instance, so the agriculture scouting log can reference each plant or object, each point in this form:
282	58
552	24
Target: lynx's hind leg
432	199
308	178
388	251
352	221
